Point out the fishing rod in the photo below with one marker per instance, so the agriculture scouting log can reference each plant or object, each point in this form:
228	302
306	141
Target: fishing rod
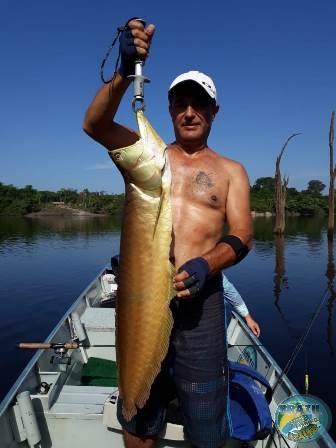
60	349
302	339
306	377
58	345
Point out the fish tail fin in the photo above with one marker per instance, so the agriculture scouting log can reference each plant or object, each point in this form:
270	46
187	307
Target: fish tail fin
128	411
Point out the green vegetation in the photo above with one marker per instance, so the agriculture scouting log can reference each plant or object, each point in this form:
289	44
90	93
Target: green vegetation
21	201
306	202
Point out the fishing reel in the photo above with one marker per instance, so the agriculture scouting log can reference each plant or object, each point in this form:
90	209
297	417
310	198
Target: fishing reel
60	356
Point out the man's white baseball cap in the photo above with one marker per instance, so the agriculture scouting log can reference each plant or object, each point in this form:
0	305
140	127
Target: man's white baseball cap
200	78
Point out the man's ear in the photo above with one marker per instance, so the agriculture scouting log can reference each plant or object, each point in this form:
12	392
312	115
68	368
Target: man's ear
215	109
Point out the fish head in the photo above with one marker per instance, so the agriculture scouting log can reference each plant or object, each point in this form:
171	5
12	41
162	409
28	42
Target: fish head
139	166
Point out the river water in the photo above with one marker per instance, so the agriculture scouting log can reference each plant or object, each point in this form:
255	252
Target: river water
46	263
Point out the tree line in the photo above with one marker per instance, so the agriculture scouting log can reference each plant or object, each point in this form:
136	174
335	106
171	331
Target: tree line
306	202
21	201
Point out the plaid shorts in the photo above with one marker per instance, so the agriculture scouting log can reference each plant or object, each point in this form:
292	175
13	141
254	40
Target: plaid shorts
193	371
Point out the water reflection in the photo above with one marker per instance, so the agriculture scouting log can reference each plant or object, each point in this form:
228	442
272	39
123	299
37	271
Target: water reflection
280	279
311	229
16	231
330	274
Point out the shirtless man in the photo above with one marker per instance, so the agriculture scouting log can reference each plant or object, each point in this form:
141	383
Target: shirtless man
207	190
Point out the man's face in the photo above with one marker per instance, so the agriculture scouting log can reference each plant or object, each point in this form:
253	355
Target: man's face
192	111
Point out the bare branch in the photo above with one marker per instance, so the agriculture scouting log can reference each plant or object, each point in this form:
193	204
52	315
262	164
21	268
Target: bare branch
331	129
280	191
285	145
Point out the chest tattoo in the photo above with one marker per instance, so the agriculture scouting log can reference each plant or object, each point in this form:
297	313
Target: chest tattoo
203	181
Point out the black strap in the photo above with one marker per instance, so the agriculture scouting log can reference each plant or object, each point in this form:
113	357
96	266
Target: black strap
240	249
120	29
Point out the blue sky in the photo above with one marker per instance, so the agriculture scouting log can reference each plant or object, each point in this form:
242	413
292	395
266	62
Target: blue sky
273	63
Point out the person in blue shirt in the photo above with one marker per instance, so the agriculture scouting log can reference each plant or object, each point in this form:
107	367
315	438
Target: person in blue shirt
232	296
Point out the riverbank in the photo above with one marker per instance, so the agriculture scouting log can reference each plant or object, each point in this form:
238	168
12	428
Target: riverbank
62	210
66	211
263	214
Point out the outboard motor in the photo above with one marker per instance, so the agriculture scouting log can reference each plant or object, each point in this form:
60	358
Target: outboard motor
115	264
109	284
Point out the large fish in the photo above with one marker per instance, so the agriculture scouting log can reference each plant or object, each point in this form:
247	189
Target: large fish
145	287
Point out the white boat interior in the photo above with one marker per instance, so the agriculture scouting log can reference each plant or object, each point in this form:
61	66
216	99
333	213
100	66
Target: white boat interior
49	406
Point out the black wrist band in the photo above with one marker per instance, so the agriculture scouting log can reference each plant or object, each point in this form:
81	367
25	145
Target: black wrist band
240	249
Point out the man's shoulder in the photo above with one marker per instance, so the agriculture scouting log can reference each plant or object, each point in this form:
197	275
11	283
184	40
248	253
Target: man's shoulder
226	161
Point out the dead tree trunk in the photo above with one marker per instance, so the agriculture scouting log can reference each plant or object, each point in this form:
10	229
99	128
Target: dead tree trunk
279	278
280	192
330	274
332	171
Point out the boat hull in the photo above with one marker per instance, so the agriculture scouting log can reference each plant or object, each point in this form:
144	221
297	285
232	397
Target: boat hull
70	415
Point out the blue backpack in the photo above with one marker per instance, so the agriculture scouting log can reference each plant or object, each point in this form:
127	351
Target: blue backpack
249	417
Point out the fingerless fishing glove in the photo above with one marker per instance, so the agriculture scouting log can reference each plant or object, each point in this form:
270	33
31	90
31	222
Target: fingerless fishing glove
128	52
198	269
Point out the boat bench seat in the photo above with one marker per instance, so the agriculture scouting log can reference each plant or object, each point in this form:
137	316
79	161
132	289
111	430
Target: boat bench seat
99	319
79	400
99	325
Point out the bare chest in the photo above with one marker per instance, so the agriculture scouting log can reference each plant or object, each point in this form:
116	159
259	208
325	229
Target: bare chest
199	182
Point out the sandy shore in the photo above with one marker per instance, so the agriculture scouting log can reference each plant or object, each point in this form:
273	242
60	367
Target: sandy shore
64	211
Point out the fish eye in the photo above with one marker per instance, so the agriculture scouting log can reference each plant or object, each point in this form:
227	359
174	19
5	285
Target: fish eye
117	155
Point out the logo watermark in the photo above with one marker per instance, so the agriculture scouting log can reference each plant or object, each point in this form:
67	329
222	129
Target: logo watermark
302	418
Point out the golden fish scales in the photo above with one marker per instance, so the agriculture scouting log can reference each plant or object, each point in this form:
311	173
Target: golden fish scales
145	288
